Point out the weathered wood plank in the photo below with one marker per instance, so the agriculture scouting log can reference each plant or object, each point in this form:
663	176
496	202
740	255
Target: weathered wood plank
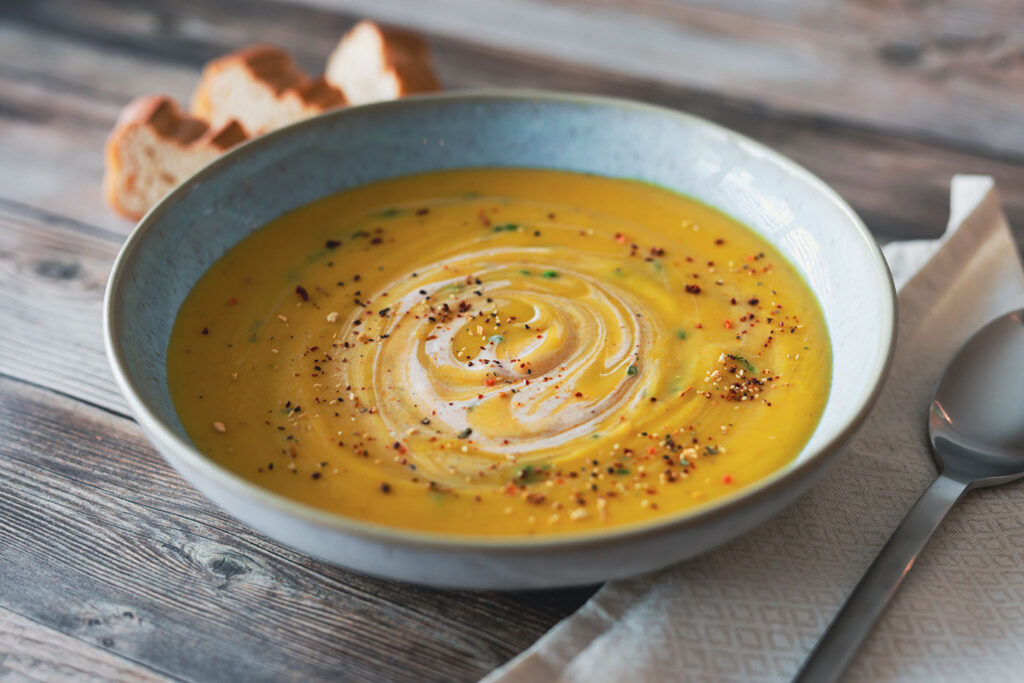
899	186
101	541
31	652
53	149
53	273
950	71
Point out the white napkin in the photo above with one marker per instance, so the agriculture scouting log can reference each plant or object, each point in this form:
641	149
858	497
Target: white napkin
751	610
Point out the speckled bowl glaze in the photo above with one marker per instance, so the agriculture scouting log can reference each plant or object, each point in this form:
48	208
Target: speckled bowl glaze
197	223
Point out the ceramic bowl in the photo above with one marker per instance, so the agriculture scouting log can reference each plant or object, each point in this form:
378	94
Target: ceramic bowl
198	222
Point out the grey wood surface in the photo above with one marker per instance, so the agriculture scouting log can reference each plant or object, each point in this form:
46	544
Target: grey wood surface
111	566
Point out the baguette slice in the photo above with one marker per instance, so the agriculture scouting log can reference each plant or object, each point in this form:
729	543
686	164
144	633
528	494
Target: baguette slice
262	88
373	63
155	146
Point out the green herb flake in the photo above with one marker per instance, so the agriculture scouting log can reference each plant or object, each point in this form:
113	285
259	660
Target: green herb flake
681	334
631	370
464	434
524	272
622	471
507	227
745	363
496	339
529	474
711	450
549	274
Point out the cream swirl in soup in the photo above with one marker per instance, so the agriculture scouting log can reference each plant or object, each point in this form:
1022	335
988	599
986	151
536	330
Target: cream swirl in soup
498	351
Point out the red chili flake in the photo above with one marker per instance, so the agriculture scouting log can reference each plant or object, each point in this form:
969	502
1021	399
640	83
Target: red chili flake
206	330
376	240
657	251
422	212
332	244
232	301
693	289
301	291
727	324
753	302
385	487
578	394
727	479
620	238
490	381
719	241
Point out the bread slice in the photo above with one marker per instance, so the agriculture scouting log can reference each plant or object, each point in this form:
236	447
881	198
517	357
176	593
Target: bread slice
262	88
373	63
155	146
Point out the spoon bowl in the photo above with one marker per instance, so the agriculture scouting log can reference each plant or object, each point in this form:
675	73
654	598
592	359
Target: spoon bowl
976	420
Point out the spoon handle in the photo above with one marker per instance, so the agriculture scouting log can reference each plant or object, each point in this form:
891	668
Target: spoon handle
869	599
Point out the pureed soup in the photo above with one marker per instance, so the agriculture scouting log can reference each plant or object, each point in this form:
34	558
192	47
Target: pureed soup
501	352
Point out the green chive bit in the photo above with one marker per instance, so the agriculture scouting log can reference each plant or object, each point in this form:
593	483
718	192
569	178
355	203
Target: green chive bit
746	363
496	339
464	434
631	370
524	272
549	274
681	334
525	474
622	471
507	227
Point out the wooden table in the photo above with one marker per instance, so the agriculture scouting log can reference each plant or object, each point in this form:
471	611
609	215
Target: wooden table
110	565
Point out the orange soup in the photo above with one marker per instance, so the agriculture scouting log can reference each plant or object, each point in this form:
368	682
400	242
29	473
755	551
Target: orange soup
501	352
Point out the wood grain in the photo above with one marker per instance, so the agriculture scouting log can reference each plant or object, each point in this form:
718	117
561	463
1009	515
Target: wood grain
31	652
102	541
53	272
900	186
951	71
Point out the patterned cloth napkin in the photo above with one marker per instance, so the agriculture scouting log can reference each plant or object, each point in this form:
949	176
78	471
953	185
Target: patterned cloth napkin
752	609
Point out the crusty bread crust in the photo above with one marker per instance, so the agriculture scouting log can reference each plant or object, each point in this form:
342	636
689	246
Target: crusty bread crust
262	88
374	62
153	147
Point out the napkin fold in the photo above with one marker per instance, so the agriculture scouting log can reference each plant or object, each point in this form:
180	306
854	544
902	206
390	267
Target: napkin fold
752	609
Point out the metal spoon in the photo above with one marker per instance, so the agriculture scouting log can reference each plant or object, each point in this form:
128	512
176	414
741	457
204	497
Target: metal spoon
976	425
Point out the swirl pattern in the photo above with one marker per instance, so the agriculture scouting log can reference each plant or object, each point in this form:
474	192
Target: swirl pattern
517	348
501	351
